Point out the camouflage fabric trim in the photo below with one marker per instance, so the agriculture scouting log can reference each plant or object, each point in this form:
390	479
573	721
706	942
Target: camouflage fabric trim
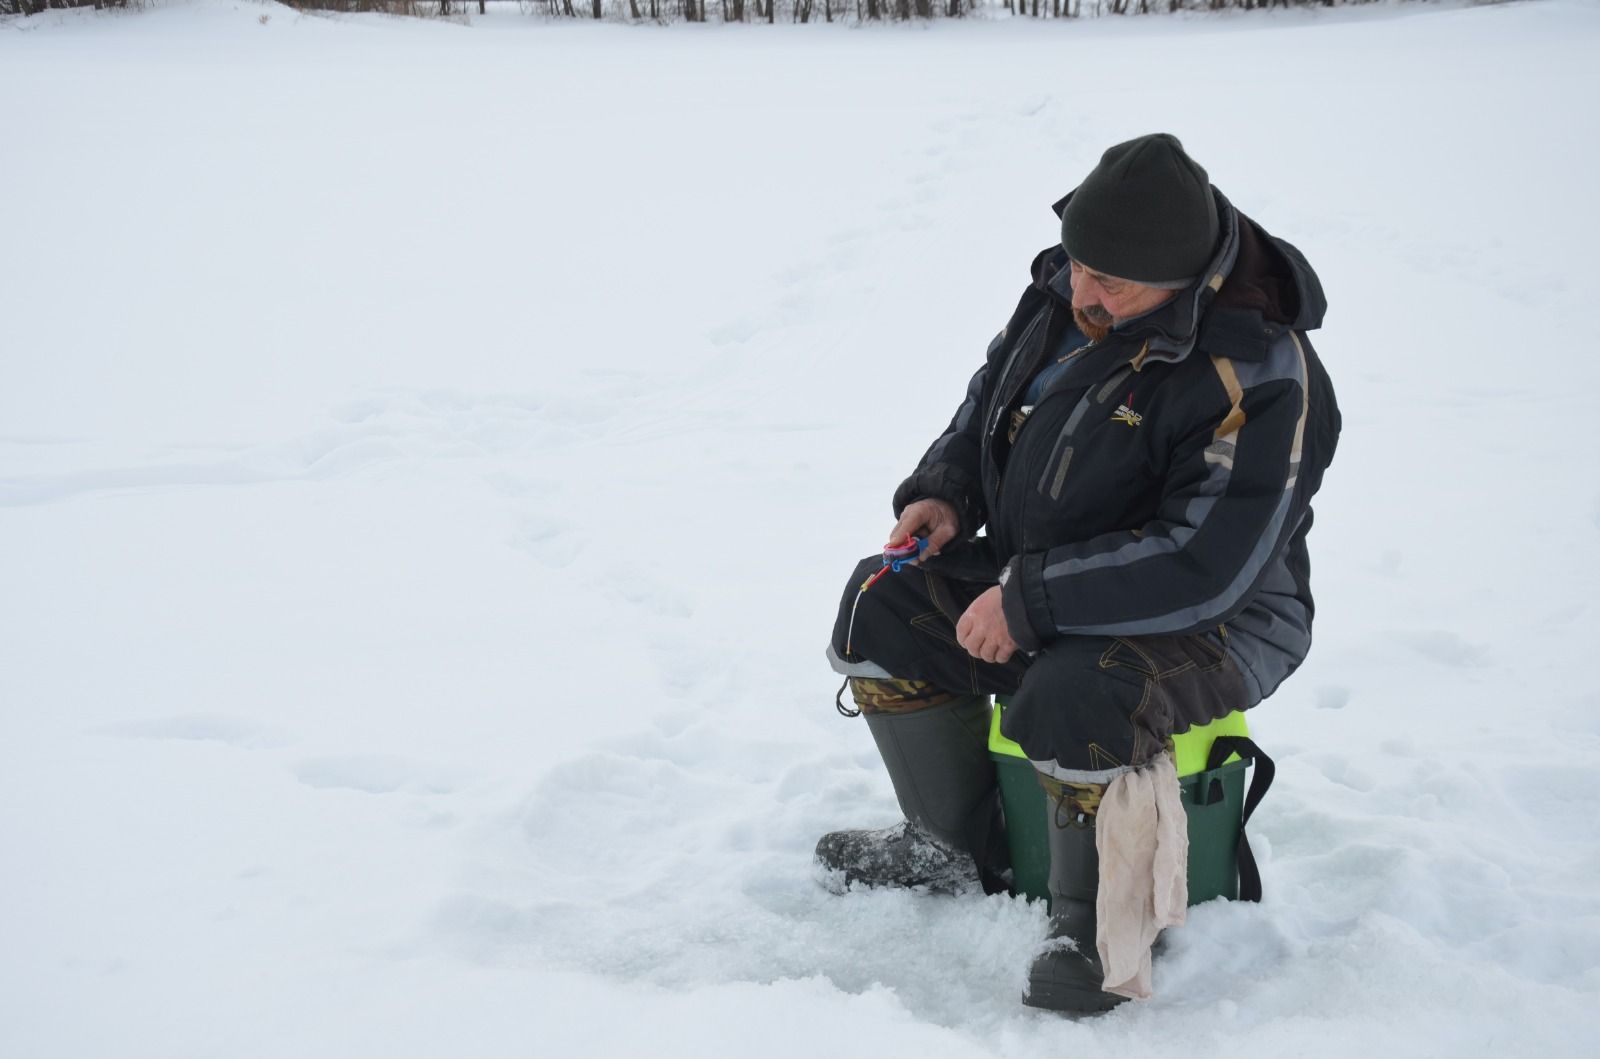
877	695
1073	802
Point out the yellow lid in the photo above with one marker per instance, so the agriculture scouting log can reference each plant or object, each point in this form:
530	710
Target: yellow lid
1190	748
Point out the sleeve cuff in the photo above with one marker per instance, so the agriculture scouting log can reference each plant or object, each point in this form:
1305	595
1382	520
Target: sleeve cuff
947	483
1022	600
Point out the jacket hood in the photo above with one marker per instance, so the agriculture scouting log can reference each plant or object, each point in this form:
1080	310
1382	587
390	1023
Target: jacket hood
1273	278
1256	287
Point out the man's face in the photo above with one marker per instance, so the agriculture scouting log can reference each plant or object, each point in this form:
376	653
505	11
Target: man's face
1100	301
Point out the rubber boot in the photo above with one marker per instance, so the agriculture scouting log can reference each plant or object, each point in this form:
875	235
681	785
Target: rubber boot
938	762
1067	974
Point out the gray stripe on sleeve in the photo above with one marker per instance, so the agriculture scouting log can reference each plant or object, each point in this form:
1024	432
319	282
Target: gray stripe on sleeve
964	414
1208	611
1194	515
1287	362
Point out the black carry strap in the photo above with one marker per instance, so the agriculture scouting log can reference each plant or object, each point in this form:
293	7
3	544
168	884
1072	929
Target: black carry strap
1221	749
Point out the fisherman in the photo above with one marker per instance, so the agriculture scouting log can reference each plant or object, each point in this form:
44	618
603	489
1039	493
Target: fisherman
1115	528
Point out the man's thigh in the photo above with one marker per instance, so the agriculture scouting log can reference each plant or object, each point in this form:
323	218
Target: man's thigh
1095	704
906	625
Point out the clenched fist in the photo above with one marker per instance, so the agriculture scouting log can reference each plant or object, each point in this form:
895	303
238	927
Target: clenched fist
982	630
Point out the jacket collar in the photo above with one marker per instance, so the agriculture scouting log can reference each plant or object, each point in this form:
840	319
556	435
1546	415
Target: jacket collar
1254	288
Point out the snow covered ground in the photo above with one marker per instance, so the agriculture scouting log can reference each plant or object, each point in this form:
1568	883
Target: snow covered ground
430	455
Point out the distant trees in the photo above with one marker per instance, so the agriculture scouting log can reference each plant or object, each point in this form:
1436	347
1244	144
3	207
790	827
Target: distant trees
748	11
866	11
663	11
34	7
387	7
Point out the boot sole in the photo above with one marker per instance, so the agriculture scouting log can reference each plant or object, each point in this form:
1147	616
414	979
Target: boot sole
1069	997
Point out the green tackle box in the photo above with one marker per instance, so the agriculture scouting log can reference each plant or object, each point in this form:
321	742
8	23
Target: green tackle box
1213	800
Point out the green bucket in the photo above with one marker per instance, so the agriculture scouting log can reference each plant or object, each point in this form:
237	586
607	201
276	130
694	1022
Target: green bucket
1213	801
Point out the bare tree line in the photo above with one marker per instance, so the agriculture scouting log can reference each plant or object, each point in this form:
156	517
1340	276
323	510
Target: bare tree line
829	10
863	10
665	11
35	7
1095	8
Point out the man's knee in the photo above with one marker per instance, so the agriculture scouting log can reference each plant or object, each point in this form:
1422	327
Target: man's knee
852	603
1094	703
1088	716
905	626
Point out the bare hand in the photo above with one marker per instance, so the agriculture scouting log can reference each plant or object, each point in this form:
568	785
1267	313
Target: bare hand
933	519
982	630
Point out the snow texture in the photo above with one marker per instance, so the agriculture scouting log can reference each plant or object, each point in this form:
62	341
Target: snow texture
430	455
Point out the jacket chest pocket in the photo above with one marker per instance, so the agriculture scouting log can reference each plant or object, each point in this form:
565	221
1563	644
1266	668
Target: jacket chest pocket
1084	426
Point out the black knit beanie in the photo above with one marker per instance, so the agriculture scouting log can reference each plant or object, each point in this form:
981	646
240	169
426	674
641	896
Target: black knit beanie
1144	213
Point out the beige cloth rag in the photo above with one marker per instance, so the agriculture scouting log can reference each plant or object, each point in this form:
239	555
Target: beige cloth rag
1142	836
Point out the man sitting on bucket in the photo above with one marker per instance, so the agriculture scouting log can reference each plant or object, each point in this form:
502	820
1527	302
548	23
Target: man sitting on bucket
1141	447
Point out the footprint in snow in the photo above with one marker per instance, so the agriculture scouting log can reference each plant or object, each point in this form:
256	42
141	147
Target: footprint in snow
375	774
233	731
733	332
1444	646
632	585
1341	770
328	456
551	541
1332	697
358	411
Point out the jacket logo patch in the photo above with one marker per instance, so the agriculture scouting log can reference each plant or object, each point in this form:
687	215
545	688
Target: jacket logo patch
1126	414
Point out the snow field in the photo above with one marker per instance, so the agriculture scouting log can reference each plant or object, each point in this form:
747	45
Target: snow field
430	455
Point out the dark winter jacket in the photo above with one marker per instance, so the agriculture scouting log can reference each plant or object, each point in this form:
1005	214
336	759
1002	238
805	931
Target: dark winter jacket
1162	482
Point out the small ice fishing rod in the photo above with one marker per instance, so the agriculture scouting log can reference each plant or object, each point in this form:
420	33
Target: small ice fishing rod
895	558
